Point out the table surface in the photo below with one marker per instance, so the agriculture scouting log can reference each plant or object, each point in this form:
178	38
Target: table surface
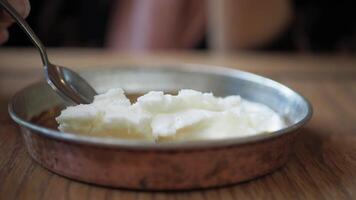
323	165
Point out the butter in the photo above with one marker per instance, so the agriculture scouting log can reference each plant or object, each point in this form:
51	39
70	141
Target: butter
159	117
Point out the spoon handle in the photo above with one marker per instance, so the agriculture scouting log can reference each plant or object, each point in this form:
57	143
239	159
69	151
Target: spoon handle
27	29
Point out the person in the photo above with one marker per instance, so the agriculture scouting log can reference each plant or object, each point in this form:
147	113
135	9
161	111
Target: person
155	24
23	8
222	25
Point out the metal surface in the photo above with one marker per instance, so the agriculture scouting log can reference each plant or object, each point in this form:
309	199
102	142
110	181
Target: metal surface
177	165
68	84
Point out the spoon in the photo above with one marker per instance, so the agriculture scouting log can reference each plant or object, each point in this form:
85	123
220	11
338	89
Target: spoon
67	83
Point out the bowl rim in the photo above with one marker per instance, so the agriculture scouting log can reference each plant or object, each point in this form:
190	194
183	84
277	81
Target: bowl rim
148	145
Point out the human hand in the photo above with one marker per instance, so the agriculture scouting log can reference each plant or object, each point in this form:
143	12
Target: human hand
22	7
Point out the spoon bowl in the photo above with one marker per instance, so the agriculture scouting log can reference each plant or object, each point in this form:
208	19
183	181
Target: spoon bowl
69	85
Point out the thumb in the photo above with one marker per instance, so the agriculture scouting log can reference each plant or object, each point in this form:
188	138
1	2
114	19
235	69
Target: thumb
4	36
21	6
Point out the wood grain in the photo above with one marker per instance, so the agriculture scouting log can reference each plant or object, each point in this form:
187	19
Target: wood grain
322	167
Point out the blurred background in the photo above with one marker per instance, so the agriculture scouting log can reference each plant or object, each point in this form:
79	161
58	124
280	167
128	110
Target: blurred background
306	26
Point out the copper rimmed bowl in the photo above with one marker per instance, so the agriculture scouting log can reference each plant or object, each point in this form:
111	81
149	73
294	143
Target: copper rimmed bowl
164	166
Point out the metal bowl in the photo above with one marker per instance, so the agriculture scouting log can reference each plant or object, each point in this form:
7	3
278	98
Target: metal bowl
164	166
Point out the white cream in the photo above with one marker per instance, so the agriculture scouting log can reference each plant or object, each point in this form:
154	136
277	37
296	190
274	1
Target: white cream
189	115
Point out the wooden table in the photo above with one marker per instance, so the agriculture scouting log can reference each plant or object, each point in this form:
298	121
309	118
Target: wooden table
322	167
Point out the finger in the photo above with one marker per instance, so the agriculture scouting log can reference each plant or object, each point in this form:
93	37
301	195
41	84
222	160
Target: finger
4	25
21	6
4	36
27	8
3	16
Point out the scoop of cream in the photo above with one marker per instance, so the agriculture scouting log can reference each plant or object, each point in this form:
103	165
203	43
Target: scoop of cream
189	115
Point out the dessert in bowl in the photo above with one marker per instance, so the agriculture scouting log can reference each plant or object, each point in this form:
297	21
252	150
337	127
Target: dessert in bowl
158	117
183	146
